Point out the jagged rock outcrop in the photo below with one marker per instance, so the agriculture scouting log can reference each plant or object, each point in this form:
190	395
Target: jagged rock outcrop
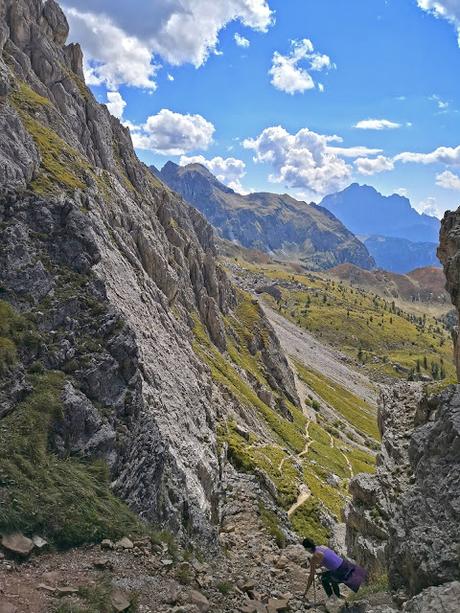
405	518
374	497
449	254
277	224
110	270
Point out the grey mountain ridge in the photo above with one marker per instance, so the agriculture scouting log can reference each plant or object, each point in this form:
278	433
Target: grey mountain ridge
277	224
400	254
367	212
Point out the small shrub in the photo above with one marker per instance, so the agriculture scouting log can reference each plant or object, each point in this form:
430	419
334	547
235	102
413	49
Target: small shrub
271	523
225	587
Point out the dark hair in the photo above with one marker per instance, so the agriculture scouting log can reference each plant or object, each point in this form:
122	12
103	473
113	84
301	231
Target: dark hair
309	544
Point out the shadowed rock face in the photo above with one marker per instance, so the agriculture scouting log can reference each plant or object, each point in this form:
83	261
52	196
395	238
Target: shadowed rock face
449	254
405	518
277	224
110	265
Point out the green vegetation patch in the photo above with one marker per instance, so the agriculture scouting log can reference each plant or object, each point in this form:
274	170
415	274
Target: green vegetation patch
374	331
329	458
273	460
360	461
306	522
62	167
68	501
14	330
355	410
272	525
224	373
333	498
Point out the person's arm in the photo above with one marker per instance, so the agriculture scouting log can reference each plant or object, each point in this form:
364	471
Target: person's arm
315	562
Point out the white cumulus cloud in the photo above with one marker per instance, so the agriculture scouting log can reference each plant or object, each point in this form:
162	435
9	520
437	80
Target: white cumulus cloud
227	170
377	124
354	152
448	180
444	9
441	155
115	104
120	39
170	133
112	57
443	105
429	206
241	41
372	166
303	160
291	73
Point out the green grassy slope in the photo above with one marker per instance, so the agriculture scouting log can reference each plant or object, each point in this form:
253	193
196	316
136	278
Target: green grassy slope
294	451
373	331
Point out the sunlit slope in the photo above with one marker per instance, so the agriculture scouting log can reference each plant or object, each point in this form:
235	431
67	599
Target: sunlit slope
371	330
307	455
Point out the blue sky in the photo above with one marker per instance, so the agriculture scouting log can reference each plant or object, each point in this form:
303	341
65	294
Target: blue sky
254	112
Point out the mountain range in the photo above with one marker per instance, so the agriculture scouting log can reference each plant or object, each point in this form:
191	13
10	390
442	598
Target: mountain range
400	255
168	436
366	212
397	236
278	224
356	226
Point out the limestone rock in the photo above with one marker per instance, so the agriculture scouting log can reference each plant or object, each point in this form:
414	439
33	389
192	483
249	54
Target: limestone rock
200	601
120	601
405	517
277	604
7	607
39	542
17	544
253	606
124	543
439	599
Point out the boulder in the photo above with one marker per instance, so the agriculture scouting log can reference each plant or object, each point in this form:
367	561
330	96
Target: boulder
124	543
17	544
277	604
39	542
253	606
120	601
199	600
439	599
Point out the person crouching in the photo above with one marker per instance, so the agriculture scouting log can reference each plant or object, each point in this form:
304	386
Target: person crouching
337	570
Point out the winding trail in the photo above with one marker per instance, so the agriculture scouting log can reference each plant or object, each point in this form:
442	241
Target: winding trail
308	443
304	495
347	461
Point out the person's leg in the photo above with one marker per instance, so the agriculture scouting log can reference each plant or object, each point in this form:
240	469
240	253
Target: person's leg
326	582
336	588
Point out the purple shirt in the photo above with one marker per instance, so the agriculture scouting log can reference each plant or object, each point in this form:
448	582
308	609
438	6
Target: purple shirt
331	560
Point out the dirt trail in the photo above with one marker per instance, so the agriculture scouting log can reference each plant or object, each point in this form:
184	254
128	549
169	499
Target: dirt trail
302	346
347	461
304	495
308	443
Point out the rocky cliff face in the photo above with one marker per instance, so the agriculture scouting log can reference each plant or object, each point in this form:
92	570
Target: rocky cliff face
104	274
405	519
449	254
277	224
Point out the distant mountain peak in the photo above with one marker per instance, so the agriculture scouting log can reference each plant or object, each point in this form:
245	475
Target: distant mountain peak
365	211
275	223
